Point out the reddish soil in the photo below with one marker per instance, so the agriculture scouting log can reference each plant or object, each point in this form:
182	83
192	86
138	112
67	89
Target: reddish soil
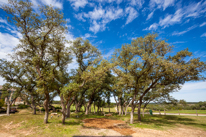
117	125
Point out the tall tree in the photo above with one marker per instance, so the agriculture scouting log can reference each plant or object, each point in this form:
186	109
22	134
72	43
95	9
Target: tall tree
149	66
42	33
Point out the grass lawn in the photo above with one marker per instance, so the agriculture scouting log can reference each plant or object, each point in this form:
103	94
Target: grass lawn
26	124
184	111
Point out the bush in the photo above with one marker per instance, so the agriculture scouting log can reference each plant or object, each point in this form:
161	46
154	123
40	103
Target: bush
58	107
42	109
1	103
22	106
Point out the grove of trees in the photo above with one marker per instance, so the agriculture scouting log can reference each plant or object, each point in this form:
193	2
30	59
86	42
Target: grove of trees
138	73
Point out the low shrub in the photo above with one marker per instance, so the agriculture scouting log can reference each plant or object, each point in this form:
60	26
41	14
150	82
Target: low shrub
22	106
1	103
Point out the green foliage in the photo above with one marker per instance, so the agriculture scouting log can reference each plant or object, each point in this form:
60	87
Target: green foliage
1	103
22	106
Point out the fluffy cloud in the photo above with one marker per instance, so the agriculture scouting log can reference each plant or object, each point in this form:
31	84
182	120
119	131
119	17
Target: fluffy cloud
100	17
137	3
76	4
154	26
7	43
132	14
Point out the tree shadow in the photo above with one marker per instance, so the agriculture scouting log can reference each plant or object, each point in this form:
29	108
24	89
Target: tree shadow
166	120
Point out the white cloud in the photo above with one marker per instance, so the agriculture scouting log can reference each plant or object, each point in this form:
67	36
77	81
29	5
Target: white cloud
193	10
68	20
79	16
7	43
3	21
150	15
191	92
177	42
100	17
78	3
54	3
138	3
110	1
108	54
96	27
183	32
154	26
3	2
171	19
87	35
132	14
193	86
158	4
203	35
203	24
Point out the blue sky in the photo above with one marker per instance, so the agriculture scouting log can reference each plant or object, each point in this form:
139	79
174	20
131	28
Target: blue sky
110	23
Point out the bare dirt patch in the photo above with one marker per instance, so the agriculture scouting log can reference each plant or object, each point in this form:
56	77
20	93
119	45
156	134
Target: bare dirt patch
3	134
103	123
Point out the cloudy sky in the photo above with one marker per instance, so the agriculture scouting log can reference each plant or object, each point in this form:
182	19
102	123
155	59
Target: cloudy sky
110	23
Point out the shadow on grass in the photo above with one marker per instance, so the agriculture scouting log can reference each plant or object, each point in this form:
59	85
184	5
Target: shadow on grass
72	122
167	121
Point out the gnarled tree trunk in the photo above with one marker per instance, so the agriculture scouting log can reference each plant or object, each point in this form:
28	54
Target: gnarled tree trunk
46	103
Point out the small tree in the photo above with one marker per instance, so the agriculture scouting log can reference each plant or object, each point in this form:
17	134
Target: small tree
10	94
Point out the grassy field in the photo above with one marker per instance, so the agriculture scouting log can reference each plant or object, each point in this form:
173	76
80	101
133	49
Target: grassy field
24	123
184	111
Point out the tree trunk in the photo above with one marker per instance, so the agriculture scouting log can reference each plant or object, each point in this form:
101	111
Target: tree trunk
63	114
120	109
90	108
131	115
8	109
76	106
33	106
117	110
139	111
68	109
94	108
63	109
87	108
143	112
127	108
46	103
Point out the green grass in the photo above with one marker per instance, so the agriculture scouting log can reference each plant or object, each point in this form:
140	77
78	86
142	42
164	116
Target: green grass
184	111
54	128
165	122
